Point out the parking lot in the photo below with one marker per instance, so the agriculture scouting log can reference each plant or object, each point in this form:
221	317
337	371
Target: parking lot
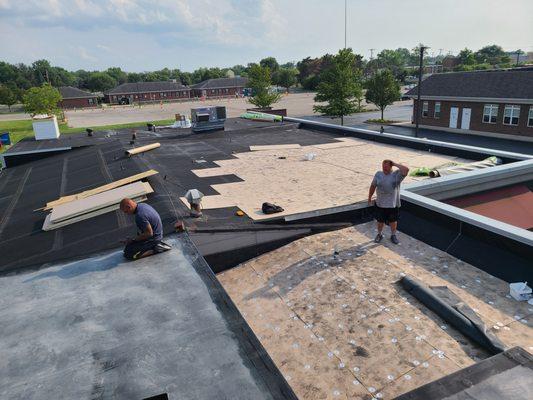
298	104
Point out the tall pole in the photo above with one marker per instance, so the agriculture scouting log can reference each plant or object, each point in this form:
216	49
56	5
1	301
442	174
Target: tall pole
517	57
345	21
418	107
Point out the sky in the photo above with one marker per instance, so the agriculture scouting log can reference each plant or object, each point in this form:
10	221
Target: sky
144	35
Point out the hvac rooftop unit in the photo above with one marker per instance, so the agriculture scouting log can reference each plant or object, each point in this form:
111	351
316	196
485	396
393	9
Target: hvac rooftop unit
208	118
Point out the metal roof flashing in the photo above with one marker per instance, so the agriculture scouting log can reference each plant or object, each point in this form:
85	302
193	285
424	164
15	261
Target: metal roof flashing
428	194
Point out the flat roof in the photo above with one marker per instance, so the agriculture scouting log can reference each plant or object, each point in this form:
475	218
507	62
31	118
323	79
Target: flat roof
341	325
102	327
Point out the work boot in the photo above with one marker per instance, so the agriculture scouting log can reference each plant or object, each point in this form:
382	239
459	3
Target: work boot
378	238
394	239
161	247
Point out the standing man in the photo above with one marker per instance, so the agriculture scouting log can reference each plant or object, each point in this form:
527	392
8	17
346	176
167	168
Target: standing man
387	182
148	221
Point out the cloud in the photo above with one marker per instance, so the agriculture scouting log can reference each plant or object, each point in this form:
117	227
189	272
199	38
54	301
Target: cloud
226	22
84	55
103	47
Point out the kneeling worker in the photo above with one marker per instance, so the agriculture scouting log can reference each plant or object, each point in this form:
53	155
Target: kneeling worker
387	182
148	241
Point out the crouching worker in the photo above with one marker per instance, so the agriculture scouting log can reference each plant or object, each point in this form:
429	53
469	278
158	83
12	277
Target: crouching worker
148	221
387	182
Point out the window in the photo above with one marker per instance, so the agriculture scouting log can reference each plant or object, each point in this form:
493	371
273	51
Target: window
490	113
212	91
90	101
436	113
145	96
510	115
226	90
425	109
530	117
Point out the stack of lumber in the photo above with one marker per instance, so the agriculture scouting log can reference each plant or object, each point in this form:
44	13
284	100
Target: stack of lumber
99	189
71	209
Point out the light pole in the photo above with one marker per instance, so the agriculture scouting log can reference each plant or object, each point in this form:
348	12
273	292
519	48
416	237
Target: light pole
345	21
417	115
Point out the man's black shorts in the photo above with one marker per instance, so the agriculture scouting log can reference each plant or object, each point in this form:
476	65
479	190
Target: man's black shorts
387	215
134	250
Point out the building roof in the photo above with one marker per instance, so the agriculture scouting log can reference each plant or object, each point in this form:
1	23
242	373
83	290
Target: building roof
501	84
69	92
103	327
221	83
142	87
330	311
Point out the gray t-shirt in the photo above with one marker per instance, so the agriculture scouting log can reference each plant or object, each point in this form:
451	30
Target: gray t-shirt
145	214
388	188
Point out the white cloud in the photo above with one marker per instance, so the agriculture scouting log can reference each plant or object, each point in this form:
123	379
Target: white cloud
84	55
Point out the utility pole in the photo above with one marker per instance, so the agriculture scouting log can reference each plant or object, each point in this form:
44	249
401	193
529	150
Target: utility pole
518	52
418	105
372	53
345	21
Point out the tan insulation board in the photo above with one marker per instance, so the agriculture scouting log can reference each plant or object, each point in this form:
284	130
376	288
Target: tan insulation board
337	176
100	200
100	189
48	225
142	149
344	328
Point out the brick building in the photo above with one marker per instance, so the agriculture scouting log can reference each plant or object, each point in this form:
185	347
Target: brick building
221	87
493	102
134	92
76	98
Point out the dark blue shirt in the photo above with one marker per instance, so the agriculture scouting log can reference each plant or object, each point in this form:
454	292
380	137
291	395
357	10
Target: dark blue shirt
145	214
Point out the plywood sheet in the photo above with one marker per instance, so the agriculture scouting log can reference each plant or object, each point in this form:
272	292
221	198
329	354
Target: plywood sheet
330	312
275	147
339	175
98	201
100	189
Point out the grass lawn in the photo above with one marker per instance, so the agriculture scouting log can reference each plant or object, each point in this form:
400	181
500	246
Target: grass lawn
20	129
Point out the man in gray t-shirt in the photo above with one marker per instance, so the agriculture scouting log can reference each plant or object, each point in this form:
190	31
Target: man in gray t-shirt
386	185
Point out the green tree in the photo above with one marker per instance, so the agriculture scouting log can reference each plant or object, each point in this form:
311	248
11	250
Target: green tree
42	100
100	82
259	80
492	55
466	57
271	63
286	77
117	74
382	90
7	96
340	86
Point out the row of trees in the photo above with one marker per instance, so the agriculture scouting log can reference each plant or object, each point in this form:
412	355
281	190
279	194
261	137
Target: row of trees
307	72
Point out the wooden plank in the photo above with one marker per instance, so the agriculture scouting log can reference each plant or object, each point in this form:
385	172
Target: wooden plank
275	147
98	201
142	149
100	189
49	225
